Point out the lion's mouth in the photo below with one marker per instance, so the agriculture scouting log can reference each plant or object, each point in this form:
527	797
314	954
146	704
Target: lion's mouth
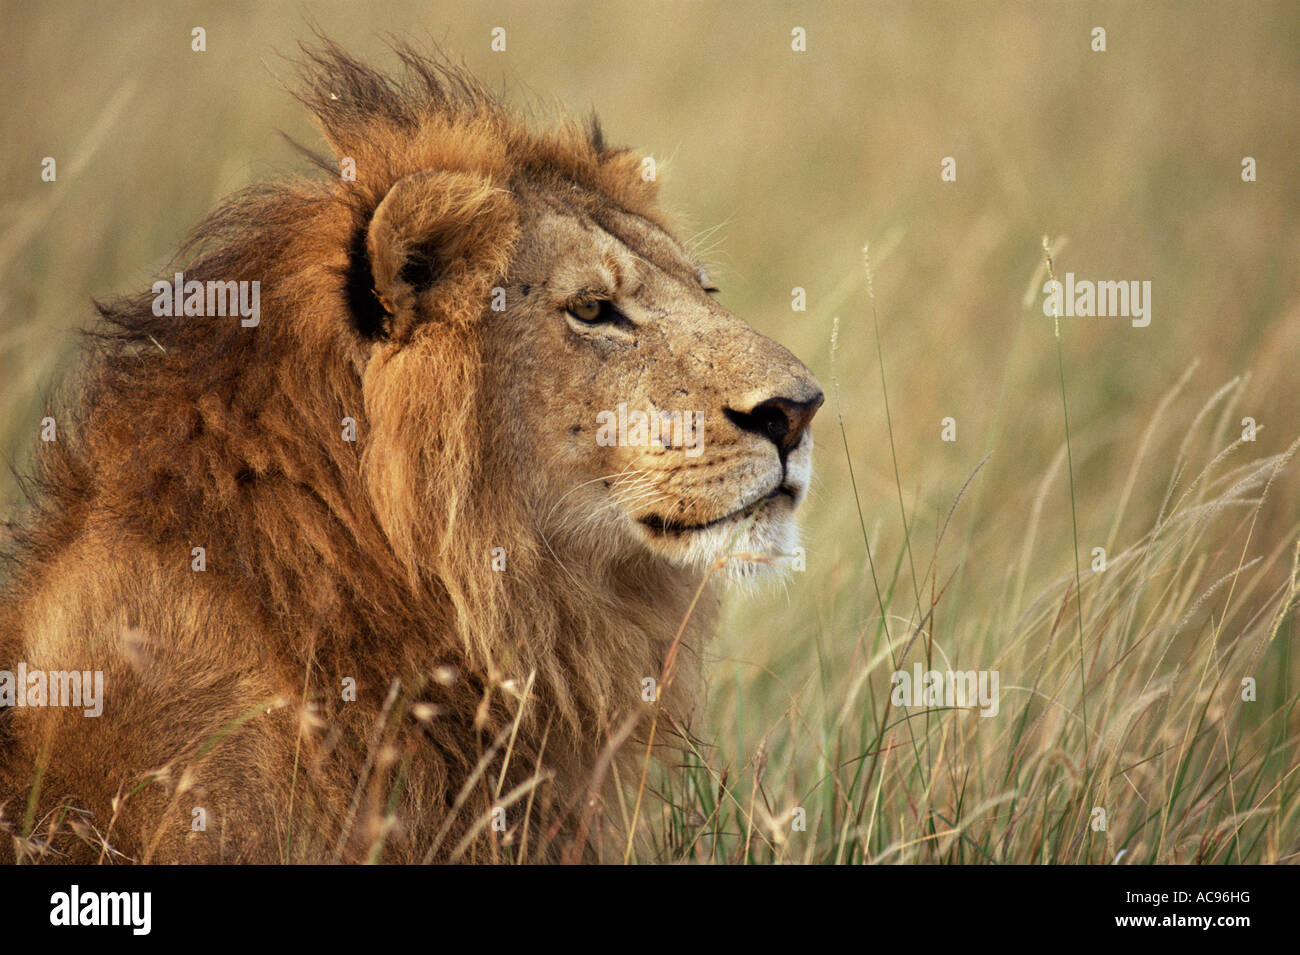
667	526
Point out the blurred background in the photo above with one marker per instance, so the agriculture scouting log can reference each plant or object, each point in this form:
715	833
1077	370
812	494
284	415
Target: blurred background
782	165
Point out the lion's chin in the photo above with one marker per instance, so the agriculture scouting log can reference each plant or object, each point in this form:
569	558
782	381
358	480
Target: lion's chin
753	544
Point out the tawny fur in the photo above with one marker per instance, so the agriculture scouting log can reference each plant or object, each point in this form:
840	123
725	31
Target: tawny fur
329	559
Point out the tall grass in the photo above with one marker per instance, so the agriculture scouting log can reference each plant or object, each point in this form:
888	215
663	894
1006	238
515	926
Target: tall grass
1175	766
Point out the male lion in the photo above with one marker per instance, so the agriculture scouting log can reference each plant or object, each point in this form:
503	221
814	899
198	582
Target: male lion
380	573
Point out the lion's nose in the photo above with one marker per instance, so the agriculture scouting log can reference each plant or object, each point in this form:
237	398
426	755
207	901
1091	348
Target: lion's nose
781	420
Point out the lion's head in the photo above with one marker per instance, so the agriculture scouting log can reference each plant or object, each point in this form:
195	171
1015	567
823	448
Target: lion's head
662	420
645	415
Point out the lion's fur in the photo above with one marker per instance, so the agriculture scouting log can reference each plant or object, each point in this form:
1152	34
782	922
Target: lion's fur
325	559
377	560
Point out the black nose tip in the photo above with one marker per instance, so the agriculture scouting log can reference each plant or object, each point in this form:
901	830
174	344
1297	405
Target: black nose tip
782	421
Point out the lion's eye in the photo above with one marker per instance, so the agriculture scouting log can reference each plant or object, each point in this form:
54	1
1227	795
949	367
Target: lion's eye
595	312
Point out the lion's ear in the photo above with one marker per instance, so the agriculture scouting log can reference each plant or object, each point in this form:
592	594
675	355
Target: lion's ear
436	243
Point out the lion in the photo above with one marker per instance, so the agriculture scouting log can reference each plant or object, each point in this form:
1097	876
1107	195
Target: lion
381	568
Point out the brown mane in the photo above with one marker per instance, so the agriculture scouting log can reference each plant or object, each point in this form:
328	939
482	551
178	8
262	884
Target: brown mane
325	558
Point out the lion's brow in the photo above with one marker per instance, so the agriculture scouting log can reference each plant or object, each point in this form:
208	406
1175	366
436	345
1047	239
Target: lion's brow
604	220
